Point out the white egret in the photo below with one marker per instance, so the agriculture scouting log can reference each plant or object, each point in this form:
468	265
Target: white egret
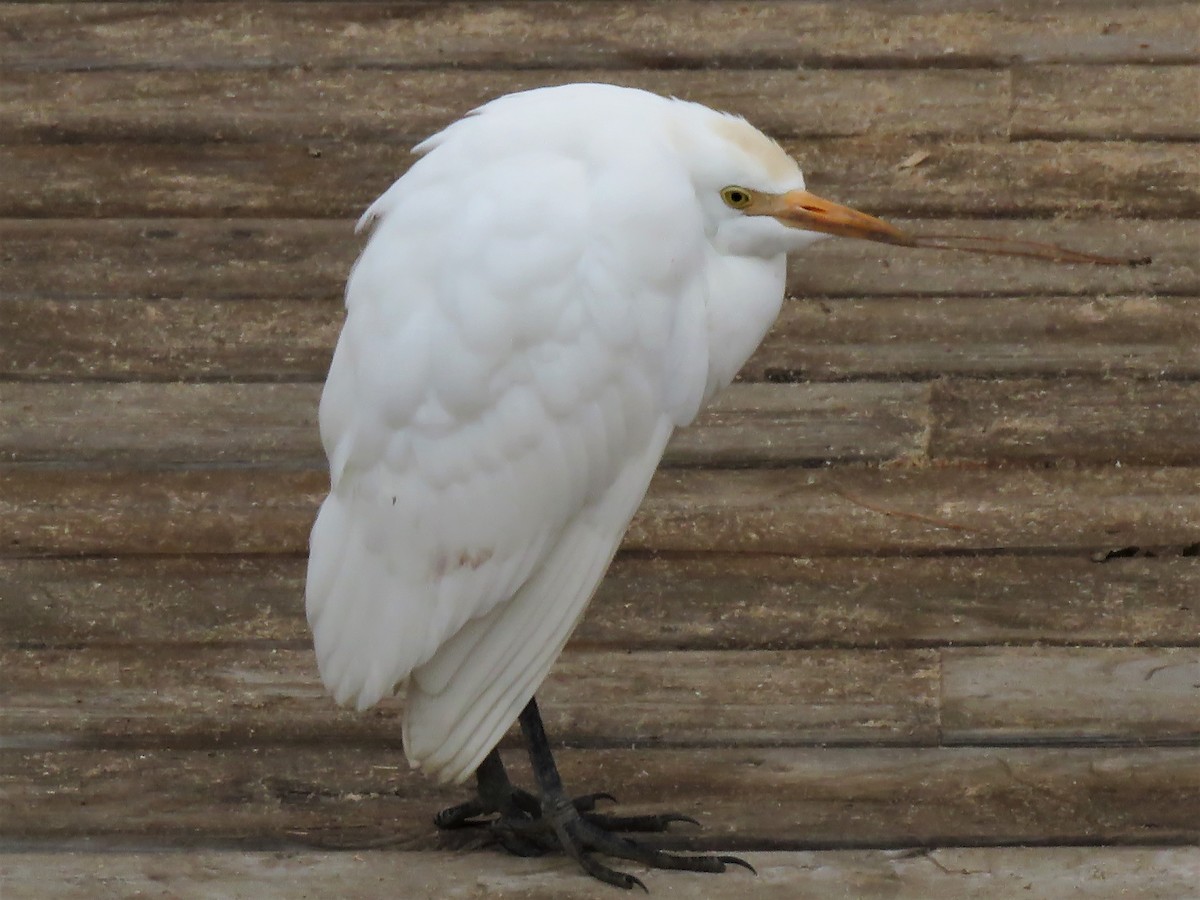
561	280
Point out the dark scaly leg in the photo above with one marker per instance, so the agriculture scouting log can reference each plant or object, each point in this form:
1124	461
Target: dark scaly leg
580	835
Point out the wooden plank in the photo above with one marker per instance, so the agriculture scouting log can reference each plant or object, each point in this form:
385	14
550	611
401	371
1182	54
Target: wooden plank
290	259
177	258
622	34
153	424
710	602
1142	335
1119	421
176	339
303	104
887	337
339	179
1063	693
814	512
746	797
818	512
990	873
222	696
181	696
1160	103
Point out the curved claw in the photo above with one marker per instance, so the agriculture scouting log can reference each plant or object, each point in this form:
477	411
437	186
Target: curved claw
672	818
737	861
634	881
587	802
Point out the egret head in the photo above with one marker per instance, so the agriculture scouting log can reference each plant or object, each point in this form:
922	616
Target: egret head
753	192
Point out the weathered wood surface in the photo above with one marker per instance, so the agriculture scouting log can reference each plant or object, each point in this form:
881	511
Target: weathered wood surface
750	424
549	36
817	512
287	259
1113	421
1148	336
269	696
1159	103
361	104
338	179
1094	334
989	873
132	697
709	601
999	694
752	797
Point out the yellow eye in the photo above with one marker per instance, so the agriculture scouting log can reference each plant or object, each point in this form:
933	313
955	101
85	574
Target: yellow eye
736	197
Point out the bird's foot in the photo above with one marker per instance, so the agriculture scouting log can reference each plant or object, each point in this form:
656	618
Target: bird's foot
582	835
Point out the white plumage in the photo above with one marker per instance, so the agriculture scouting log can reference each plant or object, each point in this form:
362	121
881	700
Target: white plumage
562	279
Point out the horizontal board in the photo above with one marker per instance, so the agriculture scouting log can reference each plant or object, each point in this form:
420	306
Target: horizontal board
819	512
1159	103
151	424
524	34
339	179
1146	336
288	259
1121	421
1062	693
746	798
260	696
711	602
812	512
403	107
173	339
991	873
885	337
177	696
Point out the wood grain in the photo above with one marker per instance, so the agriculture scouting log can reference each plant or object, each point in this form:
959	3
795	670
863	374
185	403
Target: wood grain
841	511
990	873
338	179
608	34
287	259
357	104
1159	103
710	602
745	797
156	424
1114	421
268	696
128	696
1149	336
1066	693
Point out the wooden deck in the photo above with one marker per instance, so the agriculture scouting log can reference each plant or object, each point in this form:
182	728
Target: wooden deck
914	613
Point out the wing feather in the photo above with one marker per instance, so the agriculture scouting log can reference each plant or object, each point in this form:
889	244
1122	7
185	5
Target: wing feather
492	418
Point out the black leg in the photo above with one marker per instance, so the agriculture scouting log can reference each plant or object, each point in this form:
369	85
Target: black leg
580	834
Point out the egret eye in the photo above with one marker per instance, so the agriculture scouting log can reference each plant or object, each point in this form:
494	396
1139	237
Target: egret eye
736	197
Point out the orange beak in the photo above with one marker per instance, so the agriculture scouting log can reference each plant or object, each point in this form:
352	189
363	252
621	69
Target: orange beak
800	209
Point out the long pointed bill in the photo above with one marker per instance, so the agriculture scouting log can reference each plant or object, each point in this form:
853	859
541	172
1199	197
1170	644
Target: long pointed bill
800	209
